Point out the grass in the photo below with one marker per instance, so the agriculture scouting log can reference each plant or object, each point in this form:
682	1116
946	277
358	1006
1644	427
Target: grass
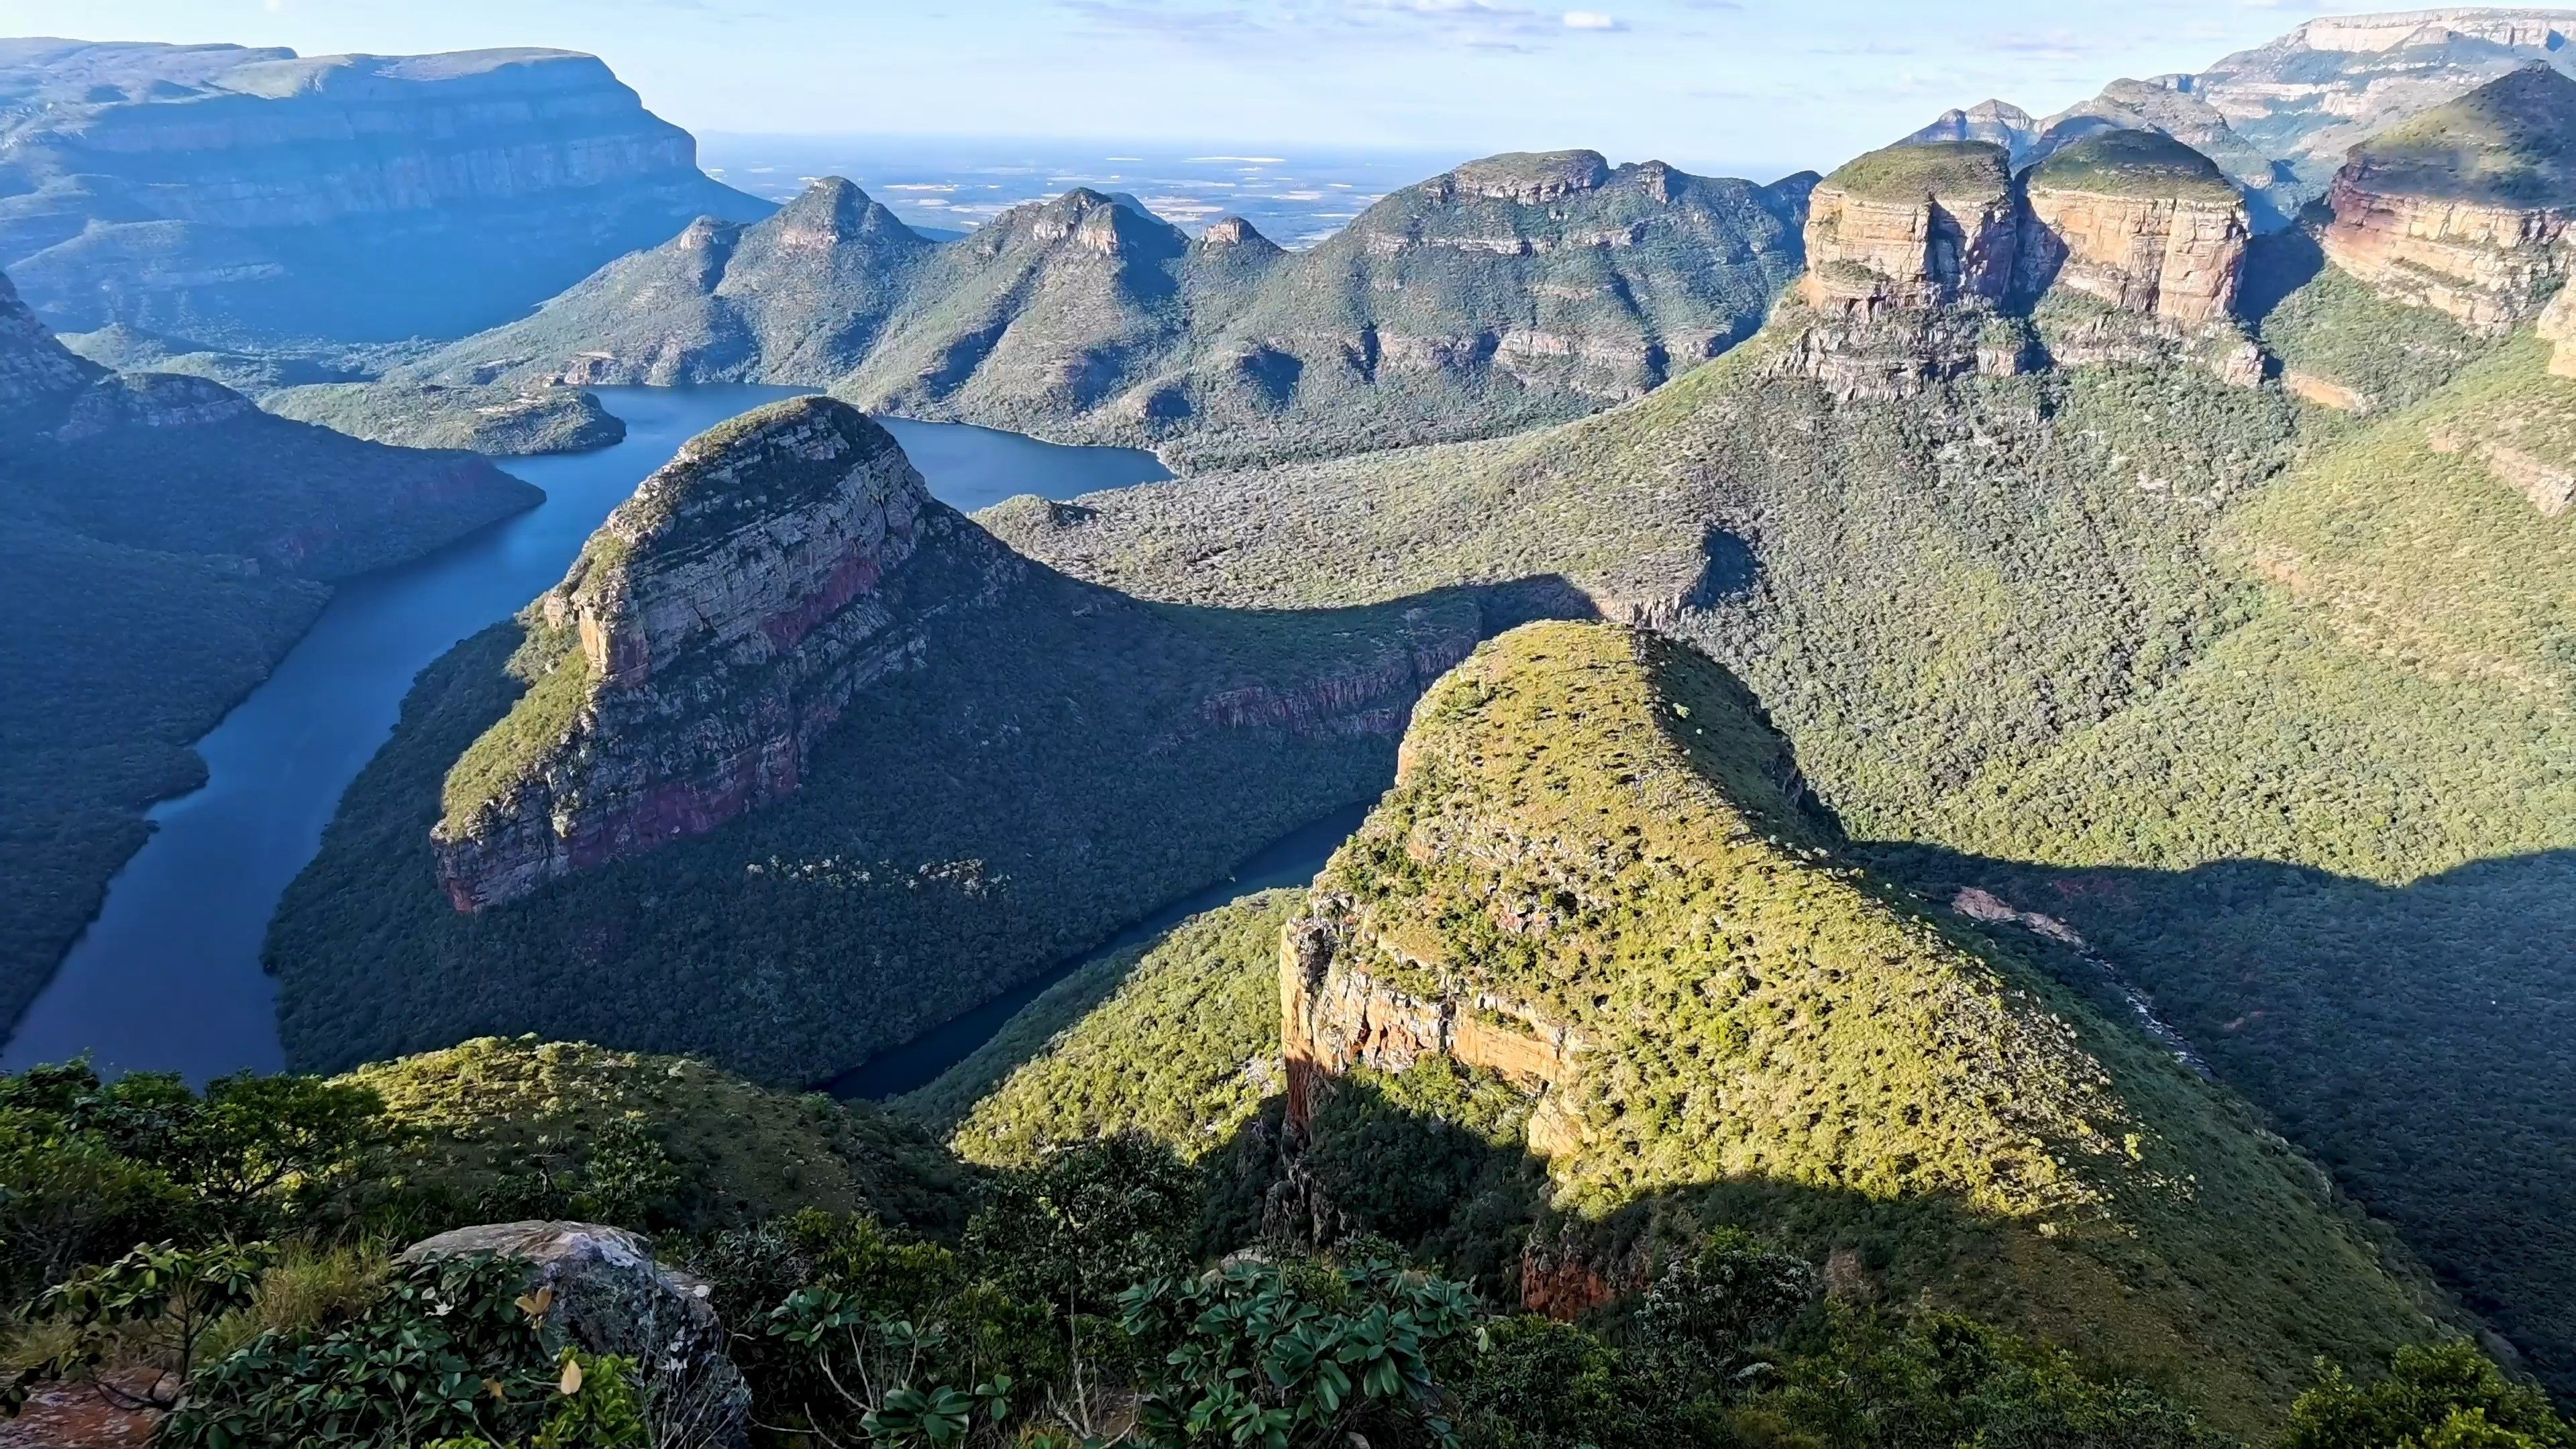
1178	1039
1980	170
2510	142
483	1111
2134	163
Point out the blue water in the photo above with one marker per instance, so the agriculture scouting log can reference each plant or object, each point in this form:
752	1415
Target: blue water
168	977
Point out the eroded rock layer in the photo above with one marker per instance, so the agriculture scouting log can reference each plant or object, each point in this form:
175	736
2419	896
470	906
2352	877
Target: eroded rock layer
2466	208
713	627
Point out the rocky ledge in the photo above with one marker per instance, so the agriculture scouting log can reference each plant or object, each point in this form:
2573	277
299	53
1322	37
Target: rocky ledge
2466	208
712	628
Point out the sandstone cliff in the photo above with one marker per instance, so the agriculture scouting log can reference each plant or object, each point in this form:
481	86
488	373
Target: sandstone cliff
710	631
230	193
2465	209
1928	260
1910	258
2139	221
1911	227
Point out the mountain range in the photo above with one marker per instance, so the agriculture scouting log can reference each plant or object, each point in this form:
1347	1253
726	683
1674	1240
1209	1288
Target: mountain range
2280	117
1983	744
1513	291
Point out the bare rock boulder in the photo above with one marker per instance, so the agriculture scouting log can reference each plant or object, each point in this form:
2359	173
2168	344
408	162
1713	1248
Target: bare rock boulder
610	1297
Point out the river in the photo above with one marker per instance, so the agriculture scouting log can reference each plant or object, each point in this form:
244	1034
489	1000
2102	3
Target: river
168	977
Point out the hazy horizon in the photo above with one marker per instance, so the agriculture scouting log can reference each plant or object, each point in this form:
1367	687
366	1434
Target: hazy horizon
1712	86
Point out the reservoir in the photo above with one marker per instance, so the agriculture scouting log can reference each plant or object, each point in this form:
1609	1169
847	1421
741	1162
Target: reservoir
168	977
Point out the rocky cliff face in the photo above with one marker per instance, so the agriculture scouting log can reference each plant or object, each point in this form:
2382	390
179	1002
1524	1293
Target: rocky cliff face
1912	227
710	631
2308	97
1910	254
2169	258
2487	266
223	192
2465	208
798	299
1922	257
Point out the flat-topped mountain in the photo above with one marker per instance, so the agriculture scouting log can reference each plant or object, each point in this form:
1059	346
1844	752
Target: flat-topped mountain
1924	259
254	194
1912	226
2139	221
2465	207
1515	290
798	297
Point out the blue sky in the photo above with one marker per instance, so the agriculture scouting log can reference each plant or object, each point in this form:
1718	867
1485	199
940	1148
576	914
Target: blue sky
1707	84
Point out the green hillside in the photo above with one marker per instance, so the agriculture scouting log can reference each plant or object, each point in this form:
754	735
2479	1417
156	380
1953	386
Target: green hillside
265	1303
494	1125
162	544
981	817
2510	142
2132	163
1178	1040
2266	703
797	297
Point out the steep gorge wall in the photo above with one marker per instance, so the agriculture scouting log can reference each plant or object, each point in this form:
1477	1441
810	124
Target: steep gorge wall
1919	255
2488	266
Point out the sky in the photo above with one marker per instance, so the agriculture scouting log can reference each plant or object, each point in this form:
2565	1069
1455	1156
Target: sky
1711	85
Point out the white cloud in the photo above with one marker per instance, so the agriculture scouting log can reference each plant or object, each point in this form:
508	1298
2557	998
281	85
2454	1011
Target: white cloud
1589	20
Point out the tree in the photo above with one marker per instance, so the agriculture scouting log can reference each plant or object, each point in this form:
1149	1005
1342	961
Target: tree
2448	1396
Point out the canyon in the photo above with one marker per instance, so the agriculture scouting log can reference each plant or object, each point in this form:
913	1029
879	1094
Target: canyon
250	194
714	626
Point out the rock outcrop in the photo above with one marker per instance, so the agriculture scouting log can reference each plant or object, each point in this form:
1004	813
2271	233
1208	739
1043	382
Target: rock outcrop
2465	208
228	193
1924	259
2557	327
1910	257
2139	221
601	1289
1911	227
716	624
